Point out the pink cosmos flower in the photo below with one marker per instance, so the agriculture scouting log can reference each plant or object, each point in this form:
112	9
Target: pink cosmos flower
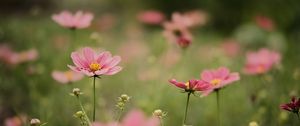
293	106
152	17
93	64
261	61
218	78
134	118
191	85
77	21
264	22
65	77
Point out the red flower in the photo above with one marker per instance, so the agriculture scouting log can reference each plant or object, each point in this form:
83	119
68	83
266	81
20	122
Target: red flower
293	106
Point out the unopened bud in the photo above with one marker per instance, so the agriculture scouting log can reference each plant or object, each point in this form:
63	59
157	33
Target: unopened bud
159	113
124	98
79	114
35	122
76	92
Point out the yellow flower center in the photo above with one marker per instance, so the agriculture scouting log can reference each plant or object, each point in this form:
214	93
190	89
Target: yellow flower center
69	75
95	66
215	82
187	84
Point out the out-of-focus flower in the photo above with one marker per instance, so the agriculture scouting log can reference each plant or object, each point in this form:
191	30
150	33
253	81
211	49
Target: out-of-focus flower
65	77
11	57
261	62
78	20
13	121
264	22
192	85
151	17
231	47
177	32
218	78
293	106
196	18
93	64
133	118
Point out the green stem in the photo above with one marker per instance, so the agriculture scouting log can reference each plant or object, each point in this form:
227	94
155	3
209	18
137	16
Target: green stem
119	116
161	122
298	116
186	108
82	109
218	108
94	87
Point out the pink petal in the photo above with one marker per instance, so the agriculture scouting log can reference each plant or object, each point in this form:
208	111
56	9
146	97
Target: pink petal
113	70
222	73
88	54
60	77
178	84
113	62
101	71
103	57
134	118
231	78
78	61
207	75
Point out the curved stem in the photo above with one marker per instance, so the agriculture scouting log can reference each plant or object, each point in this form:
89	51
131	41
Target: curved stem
94	87
186	108
218	108
82	109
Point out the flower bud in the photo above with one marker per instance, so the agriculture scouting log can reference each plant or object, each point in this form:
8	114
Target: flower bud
159	113
124	98
35	122
79	114
76	92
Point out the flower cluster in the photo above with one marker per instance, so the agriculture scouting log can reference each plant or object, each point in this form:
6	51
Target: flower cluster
210	81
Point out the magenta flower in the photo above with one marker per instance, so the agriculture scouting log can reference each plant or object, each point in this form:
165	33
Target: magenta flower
218	78
93	64
77	21
65	77
133	118
191	85
261	61
293	106
152	17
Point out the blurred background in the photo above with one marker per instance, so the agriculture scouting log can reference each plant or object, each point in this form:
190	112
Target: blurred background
231	28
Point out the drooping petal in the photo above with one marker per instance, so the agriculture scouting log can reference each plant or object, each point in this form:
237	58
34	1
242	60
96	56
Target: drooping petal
178	84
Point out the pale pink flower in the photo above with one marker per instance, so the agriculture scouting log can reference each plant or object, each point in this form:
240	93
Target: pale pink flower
92	64
133	118
78	20
218	78
6	53
152	17
65	77
26	56
191	85
261	61
265	23
13	121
